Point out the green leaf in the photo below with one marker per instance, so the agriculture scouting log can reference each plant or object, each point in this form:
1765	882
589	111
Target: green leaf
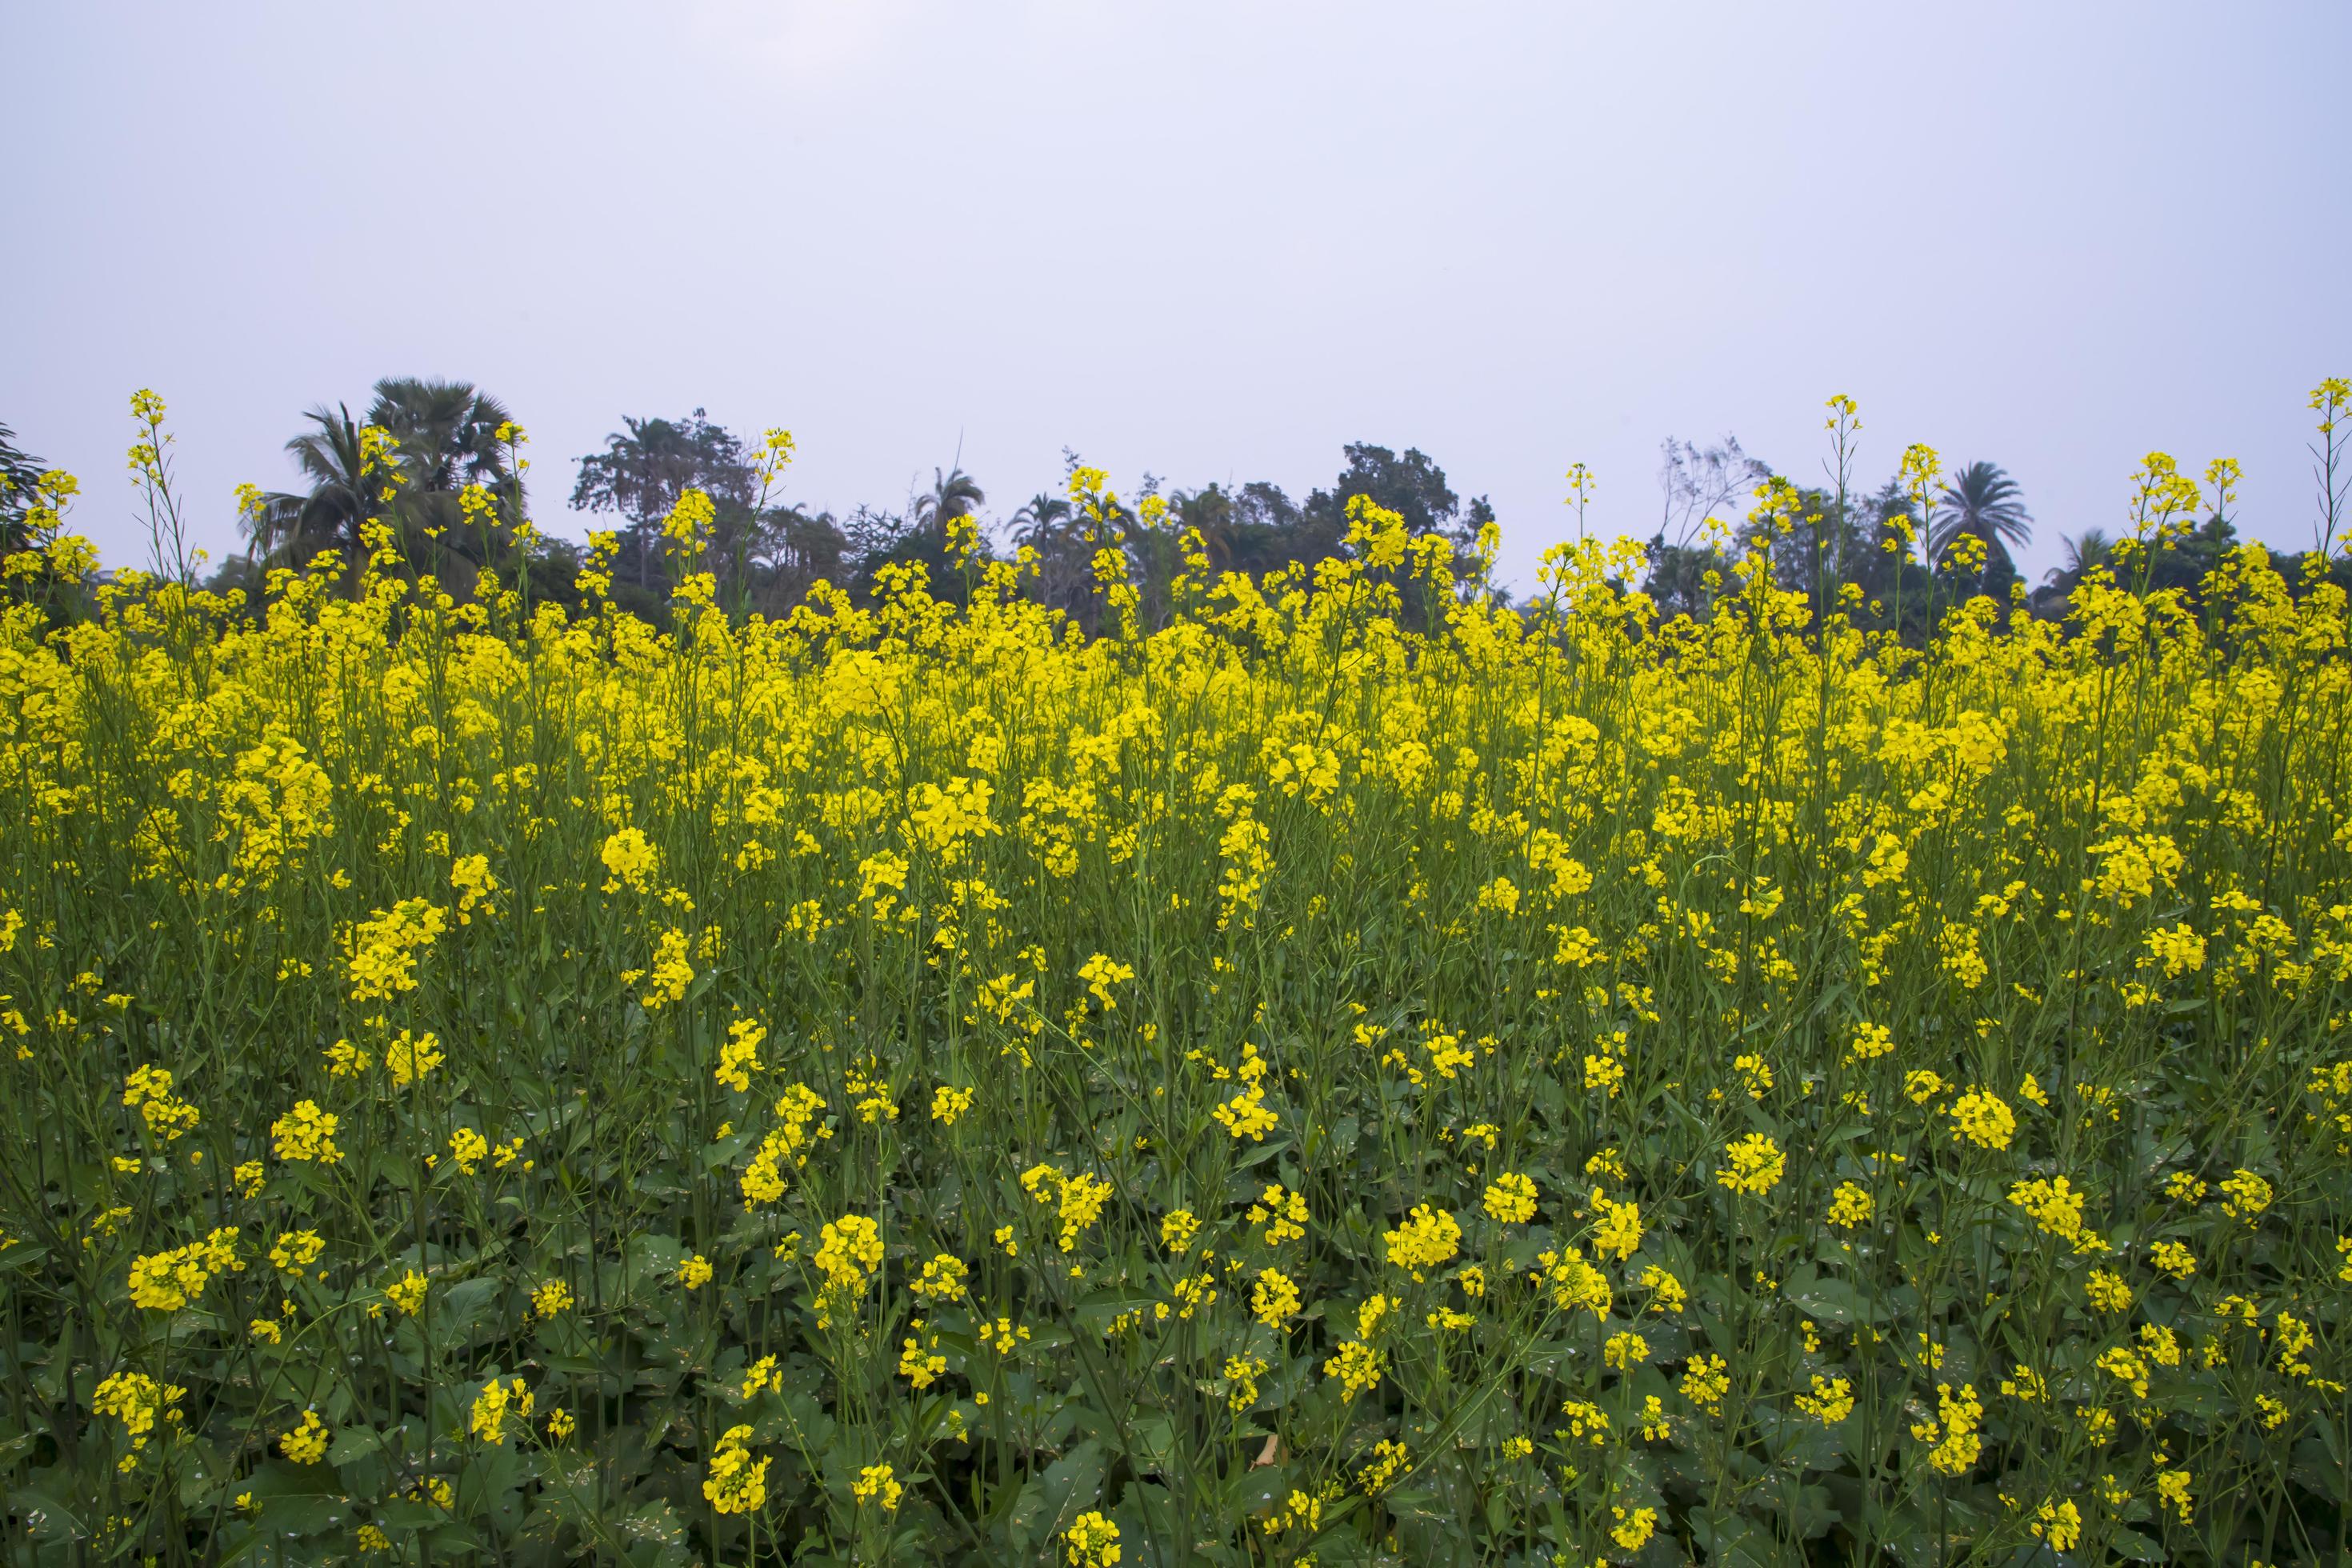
1024	1519
304	1513
39	1514
352	1442
461	1308
1833	1300
1070	1487
1728	1537
22	1256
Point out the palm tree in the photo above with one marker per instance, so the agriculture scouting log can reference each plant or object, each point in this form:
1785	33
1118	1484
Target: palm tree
1981	502
444	433
2085	552
1208	511
444	437
1047	524
952	495
1039	520
290	529
798	547
19	472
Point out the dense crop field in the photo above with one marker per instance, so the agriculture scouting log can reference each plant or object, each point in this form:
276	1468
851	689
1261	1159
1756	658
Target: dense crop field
1357	1073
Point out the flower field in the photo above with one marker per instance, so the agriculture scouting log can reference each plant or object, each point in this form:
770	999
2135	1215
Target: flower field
1337	1070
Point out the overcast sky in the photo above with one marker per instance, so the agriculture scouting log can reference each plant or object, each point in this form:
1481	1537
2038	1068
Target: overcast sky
1211	240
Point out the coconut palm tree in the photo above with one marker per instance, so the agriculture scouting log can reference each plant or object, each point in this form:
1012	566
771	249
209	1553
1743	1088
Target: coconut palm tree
797	548
289	528
1047	524
1208	511
953	494
2085	552
19	472
1981	502
1039	519
444	436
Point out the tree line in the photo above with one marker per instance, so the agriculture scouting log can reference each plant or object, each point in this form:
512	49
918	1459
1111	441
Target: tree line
438	466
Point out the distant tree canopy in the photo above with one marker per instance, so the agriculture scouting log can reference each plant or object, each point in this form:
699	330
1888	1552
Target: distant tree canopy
646	467
445	435
291	527
1861	544
1412	485
764	556
916	535
21	506
424	444
1981	503
1254	528
18	473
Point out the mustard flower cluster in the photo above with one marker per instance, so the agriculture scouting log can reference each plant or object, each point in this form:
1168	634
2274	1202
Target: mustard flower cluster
1012	1061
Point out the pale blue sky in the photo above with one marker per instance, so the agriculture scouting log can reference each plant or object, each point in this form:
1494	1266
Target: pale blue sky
1210	239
